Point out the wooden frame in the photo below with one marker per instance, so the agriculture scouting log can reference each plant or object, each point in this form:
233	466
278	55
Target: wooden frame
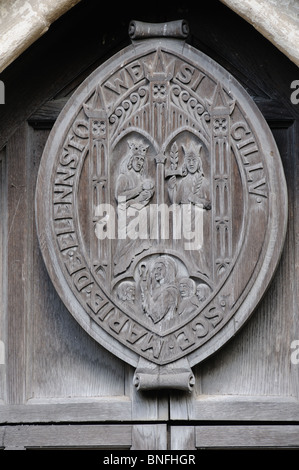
96	437
235	437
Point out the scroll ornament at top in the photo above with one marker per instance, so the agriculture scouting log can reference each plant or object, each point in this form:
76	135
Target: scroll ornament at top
173	29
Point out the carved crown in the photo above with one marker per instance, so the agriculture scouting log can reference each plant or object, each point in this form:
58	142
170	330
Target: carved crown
192	149
137	147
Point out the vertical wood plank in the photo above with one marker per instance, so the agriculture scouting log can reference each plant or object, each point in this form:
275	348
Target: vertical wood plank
3	269
17	278
182	438
294	334
63	360
149	437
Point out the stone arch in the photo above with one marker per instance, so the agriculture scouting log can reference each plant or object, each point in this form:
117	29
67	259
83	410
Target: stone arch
26	20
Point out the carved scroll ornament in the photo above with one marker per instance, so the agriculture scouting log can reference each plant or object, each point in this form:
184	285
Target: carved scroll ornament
161	205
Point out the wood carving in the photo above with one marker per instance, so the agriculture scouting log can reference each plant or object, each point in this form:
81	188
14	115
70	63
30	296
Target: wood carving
161	204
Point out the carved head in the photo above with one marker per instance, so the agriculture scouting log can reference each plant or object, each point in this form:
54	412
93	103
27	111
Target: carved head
203	291
164	269
187	287
138	151
192	159
126	291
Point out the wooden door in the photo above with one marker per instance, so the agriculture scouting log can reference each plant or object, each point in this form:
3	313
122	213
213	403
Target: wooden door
53	371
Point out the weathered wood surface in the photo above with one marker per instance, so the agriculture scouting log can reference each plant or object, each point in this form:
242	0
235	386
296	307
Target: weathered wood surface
71	437
54	371
67	410
247	436
235	407
3	278
182	437
234	437
149	437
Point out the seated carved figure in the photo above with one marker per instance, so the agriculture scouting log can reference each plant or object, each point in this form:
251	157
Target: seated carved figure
132	190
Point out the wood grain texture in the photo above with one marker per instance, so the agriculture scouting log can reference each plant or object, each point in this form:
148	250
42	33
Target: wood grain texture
247	436
61	411
53	436
149	437
294	331
59	366
18	242
3	270
244	408
182	437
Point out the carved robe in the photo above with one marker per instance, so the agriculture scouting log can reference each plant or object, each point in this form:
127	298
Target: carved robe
129	186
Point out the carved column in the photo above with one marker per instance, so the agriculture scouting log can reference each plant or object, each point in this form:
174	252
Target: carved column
98	178
159	76
160	180
221	183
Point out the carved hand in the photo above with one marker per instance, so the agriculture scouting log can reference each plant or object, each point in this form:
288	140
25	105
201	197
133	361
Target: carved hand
172	182
146	194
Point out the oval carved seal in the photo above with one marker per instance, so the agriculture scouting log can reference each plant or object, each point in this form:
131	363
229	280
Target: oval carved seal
161	203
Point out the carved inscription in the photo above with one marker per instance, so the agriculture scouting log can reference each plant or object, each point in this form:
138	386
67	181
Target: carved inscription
172	192
156	191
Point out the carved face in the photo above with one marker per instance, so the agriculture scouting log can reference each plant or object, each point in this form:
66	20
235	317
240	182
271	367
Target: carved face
130	293
202	292
159	271
187	287
192	163
184	289
137	162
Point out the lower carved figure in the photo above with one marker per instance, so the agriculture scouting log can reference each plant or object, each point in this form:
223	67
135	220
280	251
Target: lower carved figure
202	292
159	290
189	302
126	293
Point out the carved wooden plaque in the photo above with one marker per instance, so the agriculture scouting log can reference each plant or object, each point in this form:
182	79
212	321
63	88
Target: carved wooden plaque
161	205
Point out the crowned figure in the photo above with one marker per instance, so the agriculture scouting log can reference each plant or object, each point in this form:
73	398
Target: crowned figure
192	189
133	193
